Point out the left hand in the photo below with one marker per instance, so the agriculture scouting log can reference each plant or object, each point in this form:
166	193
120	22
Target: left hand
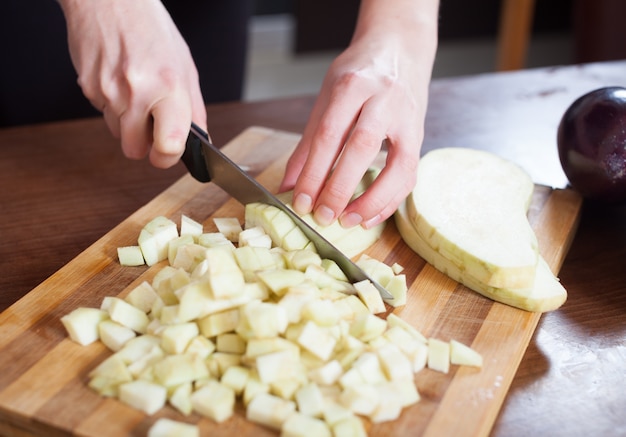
375	91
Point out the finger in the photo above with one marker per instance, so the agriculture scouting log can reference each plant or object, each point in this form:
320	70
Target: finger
295	163
112	121
362	147
326	145
299	155
392	185
135	133
172	118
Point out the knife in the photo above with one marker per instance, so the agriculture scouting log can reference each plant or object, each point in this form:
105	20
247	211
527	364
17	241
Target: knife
207	163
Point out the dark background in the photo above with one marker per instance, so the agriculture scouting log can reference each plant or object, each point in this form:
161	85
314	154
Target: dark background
595	26
38	82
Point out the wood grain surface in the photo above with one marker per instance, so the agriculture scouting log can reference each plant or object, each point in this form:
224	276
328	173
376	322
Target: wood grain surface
43	380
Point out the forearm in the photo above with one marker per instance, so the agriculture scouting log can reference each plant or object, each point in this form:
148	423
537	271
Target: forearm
409	26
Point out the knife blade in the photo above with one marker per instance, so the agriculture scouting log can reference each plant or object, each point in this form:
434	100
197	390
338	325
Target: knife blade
207	163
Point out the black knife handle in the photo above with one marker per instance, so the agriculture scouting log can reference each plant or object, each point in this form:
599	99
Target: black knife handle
193	158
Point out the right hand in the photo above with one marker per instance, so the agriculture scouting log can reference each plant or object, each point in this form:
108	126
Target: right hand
135	67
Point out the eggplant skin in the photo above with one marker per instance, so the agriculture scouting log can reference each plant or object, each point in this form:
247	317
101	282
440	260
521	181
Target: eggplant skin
591	140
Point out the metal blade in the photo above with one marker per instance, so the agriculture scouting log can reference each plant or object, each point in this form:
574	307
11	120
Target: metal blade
244	188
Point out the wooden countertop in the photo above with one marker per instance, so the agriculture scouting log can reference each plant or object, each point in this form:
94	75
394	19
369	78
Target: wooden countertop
66	184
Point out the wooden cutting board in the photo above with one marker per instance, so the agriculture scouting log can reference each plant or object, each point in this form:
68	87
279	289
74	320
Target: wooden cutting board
43	379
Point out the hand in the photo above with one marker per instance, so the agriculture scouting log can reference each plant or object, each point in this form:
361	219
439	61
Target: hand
374	91
135	67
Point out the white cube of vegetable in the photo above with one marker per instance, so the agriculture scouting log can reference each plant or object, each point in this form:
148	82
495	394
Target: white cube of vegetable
137	347
438	355
361	399
215	239
294	300
142	296
181	398
176	338
286	388
327	374
368	364
155	237
189	226
404	390
253	387
128	315
269	410
168	315
114	335
310	400
370	296
130	256
418	355
333	269
349	427
200	346
367	327
302	425
351	377
349	307
143	395
188	256
334	411
376	269
224	275
219	323
256	347
229	227
230	342
301	259
294	240
275	366
318	340
398	288
400	337
395	364
389	406
394	320
280	280
215	401
464	355
321	279
261	241
193	300
322	312
249	234
264	319
174	370
165	427
145	362
112	369
82	324
223	361
236	377
175	244
397	268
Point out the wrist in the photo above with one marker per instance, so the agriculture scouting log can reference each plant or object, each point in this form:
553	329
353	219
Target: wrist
409	22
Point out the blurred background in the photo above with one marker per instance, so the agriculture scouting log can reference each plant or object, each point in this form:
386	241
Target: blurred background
262	49
292	42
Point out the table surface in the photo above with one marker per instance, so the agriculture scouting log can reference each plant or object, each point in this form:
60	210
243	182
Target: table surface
66	184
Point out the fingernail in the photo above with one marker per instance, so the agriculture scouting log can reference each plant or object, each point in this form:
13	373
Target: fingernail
324	215
372	222
350	219
303	203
